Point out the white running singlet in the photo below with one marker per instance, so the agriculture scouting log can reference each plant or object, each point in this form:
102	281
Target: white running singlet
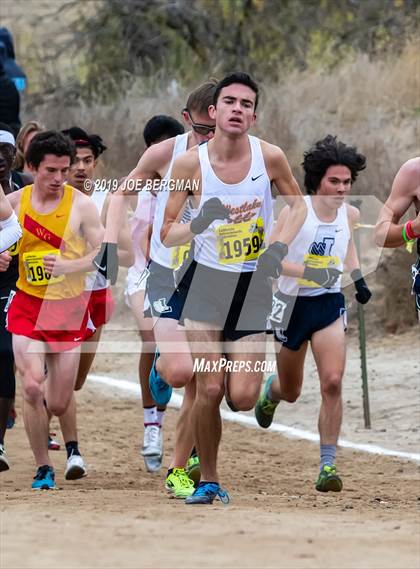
139	226
320	245
235	245
158	252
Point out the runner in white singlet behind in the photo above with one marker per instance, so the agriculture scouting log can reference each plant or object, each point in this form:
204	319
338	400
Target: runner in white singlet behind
309	305
157	129
174	364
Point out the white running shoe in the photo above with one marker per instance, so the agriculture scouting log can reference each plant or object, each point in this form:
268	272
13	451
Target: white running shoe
76	467
152	450
4	463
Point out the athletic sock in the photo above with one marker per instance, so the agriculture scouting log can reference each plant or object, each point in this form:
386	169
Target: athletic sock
193	452
160	416
150	416
72	447
328	453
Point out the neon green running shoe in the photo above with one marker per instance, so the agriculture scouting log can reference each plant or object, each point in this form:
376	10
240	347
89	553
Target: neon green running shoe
193	469
265	407
179	484
328	480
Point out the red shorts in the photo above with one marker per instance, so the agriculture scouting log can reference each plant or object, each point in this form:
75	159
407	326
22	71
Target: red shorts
61	324
101	306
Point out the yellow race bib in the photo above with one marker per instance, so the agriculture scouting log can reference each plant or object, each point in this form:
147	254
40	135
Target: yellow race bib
179	254
33	262
318	262
240	242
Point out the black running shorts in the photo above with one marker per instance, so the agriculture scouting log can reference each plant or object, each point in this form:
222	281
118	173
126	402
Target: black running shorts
235	302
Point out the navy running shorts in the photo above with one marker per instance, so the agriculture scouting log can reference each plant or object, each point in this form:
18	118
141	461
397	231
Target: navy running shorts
295	319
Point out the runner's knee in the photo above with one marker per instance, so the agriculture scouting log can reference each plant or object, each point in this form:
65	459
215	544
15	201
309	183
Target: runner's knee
291	388
246	398
147	335
57	408
32	390
331	385
176	373
291	396
244	402
210	389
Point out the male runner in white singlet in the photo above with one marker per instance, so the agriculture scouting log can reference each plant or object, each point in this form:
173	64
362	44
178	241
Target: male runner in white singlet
233	173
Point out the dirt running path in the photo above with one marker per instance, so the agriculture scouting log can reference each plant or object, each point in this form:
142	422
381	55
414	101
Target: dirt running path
120	516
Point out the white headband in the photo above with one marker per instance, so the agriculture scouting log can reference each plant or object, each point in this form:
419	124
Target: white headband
7	137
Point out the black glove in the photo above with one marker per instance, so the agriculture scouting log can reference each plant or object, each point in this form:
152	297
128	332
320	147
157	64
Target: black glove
269	262
363	293
324	277
106	261
212	209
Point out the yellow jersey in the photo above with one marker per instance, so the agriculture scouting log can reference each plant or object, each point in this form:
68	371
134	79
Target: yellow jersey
48	234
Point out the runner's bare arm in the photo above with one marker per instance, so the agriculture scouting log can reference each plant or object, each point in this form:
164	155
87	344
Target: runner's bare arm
279	171
289	269
6	209
185	171
14	200
388	230
148	168
10	230
125	246
351	261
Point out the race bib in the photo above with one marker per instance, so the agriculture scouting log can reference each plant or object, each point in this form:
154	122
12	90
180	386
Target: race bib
14	249
180	254
240	242
33	261
318	262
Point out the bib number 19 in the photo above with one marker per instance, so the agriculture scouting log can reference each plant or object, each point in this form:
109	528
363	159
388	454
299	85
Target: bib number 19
245	247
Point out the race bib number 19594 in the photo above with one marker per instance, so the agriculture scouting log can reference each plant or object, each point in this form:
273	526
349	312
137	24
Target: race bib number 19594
240	242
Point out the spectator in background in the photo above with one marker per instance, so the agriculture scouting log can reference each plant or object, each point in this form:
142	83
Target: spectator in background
9	96
26	134
12	69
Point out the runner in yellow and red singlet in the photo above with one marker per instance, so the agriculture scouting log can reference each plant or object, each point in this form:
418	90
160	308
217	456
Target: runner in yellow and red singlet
62	233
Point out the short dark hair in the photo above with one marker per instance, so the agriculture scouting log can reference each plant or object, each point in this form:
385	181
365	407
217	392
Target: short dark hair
330	152
49	142
237	77
84	140
201	98
161	127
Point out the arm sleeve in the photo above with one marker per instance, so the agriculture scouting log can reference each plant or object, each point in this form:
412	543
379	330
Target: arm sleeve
10	232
